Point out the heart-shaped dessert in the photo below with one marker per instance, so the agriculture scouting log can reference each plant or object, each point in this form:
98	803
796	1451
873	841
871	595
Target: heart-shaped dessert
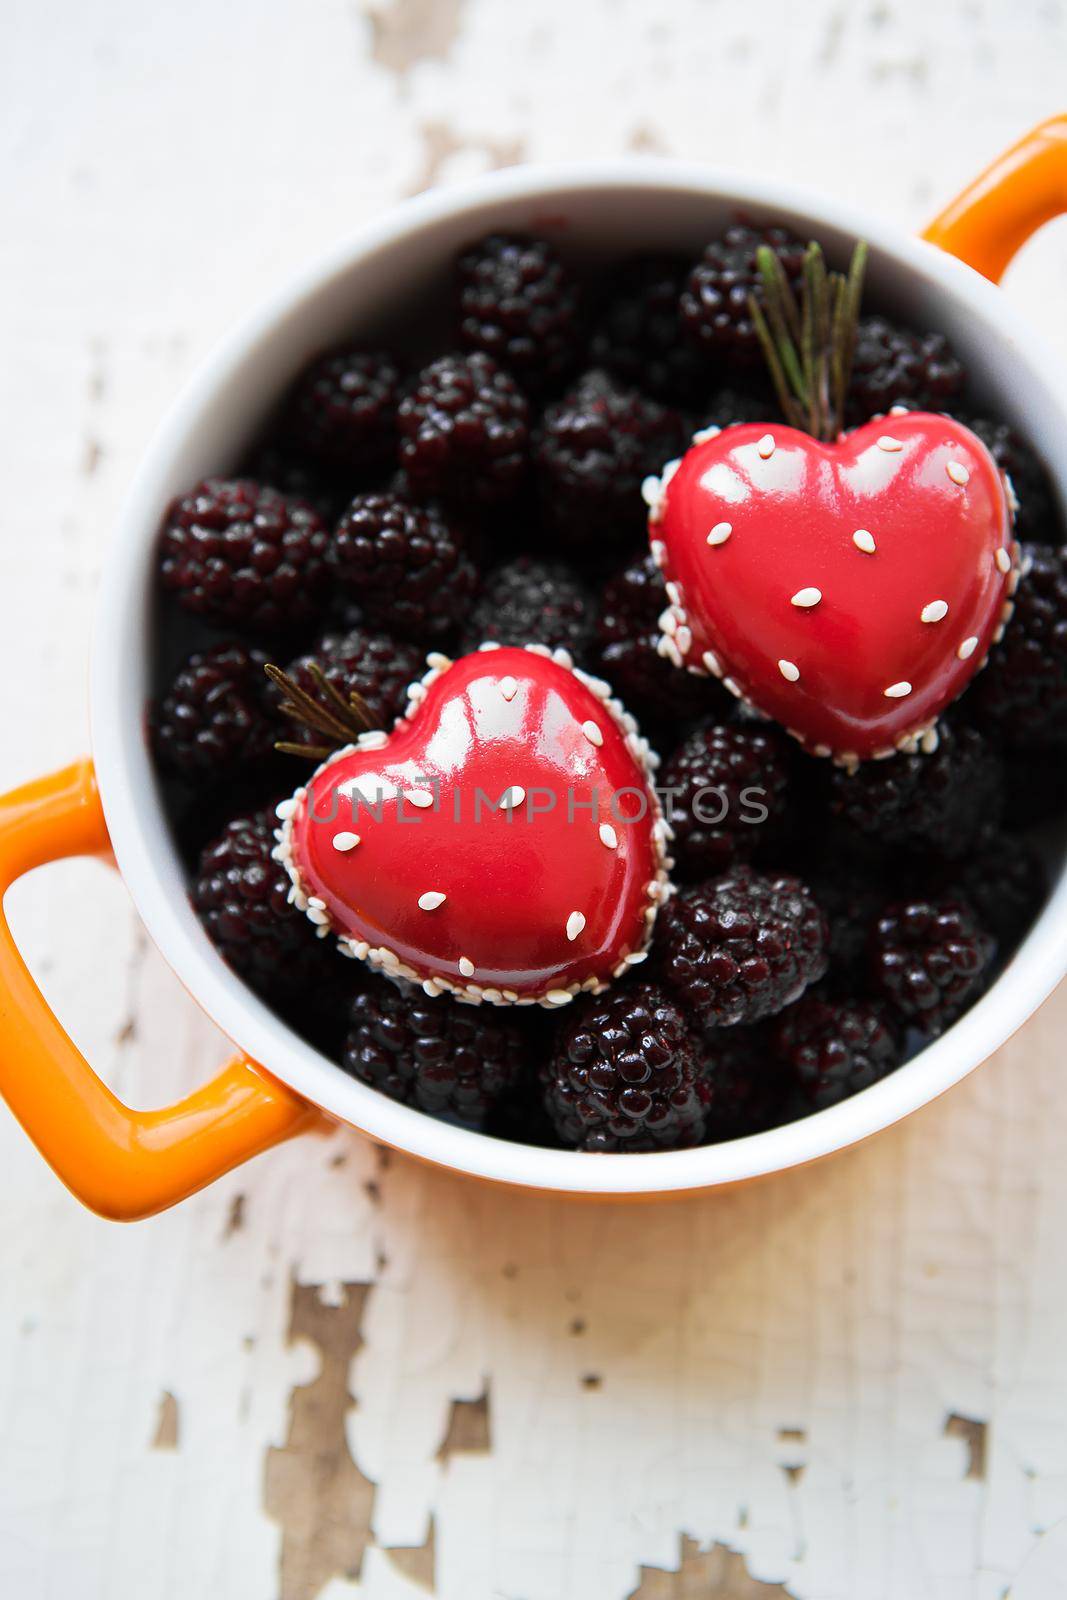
503	843
849	590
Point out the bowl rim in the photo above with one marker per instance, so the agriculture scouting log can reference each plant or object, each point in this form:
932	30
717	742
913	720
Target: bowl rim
126	783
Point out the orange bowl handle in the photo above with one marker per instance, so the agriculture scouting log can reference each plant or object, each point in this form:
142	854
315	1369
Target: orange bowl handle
121	1163
996	214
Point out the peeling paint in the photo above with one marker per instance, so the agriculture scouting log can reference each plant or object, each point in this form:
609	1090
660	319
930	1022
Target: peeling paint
166	1434
468	1429
312	1487
418	1561
973	1433
713	1574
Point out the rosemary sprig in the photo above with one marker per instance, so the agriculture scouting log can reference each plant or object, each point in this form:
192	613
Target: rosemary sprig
809	345
338	719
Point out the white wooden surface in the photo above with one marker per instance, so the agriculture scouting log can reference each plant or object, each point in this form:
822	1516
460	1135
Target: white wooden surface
331	1375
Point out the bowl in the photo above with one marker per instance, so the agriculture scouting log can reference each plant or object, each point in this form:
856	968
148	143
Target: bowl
126	1164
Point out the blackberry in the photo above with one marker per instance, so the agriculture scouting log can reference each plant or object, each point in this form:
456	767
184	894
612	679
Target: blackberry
851	896
893	365
1023	690
356	662
733	793
625	1075
639	336
948	802
464	431
342	410
714	302
930	958
450	1060
628	636
214	718
403	564
529	601
747	1085
517	302
741	947
729	406
594	449
272	462
1036	516
1006	885
833	1049
241	895
237	552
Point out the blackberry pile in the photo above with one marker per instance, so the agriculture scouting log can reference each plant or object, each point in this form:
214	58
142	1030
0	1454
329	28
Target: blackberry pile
405	498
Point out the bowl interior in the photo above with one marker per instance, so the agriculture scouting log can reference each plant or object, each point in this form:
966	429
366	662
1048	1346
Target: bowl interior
392	281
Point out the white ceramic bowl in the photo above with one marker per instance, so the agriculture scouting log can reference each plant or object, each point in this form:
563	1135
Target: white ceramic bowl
596	210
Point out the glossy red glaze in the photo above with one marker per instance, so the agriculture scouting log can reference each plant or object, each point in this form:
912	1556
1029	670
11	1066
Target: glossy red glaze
512	875
792	515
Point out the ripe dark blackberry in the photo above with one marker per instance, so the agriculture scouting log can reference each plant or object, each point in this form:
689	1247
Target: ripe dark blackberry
342	410
833	1049
625	1074
747	1085
741	947
729	406
516	302
404	564
892	365
529	601
272	462
1006	884
594	449
238	552
464	431
714	302
451	1060
373	666
628	635
241	895
733	793
639	336
948	802
214	717
1036	517
851	894
1023	690
930	958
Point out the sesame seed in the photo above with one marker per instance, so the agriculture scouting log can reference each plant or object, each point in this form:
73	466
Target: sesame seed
684	640
789	670
559	997
1003	560
958	473
431	900
438	661
967	648
575	924
421	798
508	688
345	841
863	539
284	810
513	797
897	691
669	622
315	901
674	594
373	739
936	611
806	598
651	488
720	533
592	733
766	446
466	967
887	442
608	836
712	663
318	917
